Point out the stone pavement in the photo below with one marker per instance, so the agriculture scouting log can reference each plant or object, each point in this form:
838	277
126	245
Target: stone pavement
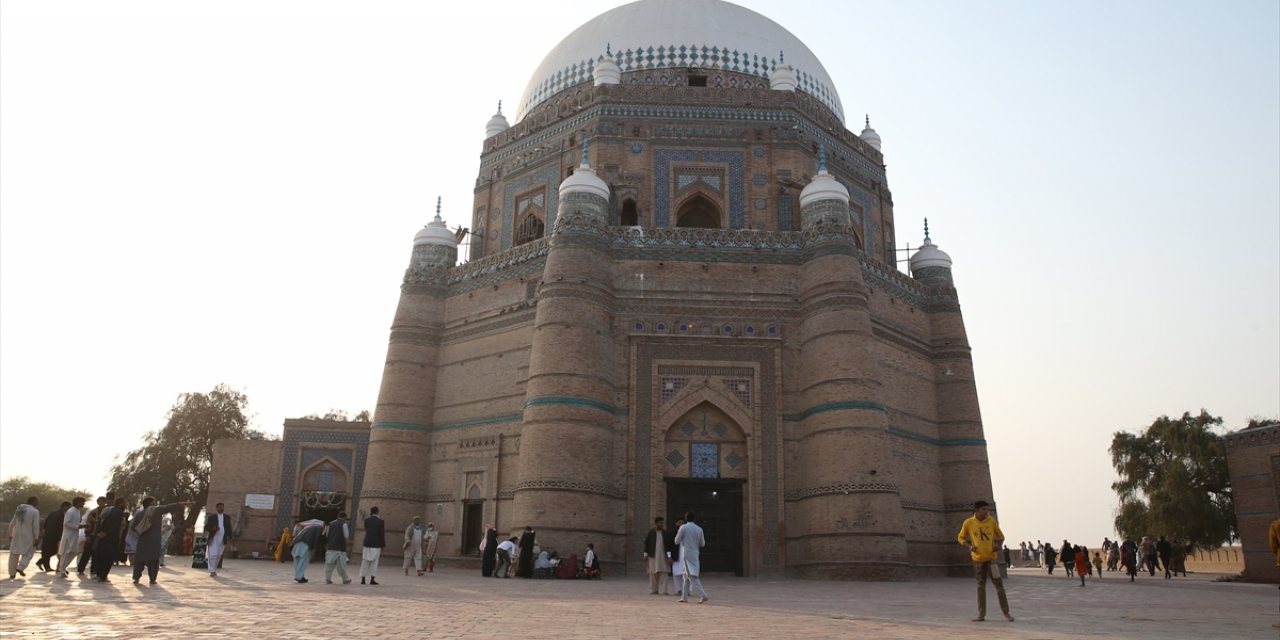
259	598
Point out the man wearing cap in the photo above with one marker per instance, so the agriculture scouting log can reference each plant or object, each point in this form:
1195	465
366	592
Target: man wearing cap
413	537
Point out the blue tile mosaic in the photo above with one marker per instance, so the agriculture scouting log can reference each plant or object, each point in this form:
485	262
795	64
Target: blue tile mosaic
549	177
675	458
704	460
733	459
287	505
662	183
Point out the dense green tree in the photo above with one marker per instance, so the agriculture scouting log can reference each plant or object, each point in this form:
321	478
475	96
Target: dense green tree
1174	481
17	489
173	464
340	416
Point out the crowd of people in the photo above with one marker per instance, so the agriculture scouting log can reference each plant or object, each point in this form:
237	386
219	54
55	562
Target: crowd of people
96	539
530	560
1168	556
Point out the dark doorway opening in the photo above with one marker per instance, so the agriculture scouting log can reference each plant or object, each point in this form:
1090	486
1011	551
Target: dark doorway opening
472	527
718	504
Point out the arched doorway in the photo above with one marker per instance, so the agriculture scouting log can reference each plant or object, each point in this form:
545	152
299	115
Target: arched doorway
698	212
705	458
324	490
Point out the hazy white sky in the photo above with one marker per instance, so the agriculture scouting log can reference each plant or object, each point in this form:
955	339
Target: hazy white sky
196	193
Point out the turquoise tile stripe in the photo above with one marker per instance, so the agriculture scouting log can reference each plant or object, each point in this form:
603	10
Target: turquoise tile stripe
842	406
574	401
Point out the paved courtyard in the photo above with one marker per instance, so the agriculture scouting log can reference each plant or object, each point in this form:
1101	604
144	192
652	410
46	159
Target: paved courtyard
258	598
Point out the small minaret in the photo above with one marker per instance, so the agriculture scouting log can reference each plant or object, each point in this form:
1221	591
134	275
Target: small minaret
399	457
607	70
930	264
870	136
497	124
842	434
783	77
567	436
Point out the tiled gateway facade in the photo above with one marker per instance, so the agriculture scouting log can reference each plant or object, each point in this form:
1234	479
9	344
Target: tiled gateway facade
703	319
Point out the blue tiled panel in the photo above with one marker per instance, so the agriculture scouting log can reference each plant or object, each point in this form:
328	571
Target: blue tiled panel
310	456
704	460
662	181
549	177
287	503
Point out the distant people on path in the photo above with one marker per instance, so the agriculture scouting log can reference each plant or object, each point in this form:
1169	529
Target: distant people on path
1038	550
337	533
1113	556
506	550
433	543
1082	562
982	536
677	567
109	534
89	524
1096	565
306	537
1129	557
691	539
1165	551
657	556
149	523
414	539
70	545
1050	557
24	535
217	529
489	551
1147	553
1179	559
524	569
1068	554
52	536
375	538
591	563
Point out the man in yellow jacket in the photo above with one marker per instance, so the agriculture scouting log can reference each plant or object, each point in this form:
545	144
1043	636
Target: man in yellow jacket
982	536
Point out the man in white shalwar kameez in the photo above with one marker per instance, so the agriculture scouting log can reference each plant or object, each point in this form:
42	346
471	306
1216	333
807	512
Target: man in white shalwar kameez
24	534
70	545
691	541
413	538
217	526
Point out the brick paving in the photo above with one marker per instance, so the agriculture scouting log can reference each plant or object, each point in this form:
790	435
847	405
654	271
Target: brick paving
259	599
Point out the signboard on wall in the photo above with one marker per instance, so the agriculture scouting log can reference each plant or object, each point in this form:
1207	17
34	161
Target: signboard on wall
260	501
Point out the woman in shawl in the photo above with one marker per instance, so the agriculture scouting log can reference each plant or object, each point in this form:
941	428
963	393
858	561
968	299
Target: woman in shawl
489	551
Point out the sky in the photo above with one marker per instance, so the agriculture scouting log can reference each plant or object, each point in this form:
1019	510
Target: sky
195	193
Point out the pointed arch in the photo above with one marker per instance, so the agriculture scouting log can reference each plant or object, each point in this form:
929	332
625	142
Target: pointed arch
699	212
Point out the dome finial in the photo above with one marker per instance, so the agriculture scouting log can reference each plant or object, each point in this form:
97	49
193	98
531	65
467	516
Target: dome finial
586	151
437	208
822	158
868	121
499	107
608	49
781	58
926	229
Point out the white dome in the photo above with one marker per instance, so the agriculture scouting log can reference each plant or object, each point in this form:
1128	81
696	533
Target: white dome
653	34
497	124
929	255
584	180
436	233
823	187
783	78
607	72
870	136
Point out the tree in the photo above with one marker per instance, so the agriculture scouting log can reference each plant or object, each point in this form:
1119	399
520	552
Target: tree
17	489
173	464
1174	481
339	415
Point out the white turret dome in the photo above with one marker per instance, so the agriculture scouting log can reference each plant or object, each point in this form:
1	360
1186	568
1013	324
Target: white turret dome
783	78
654	34
929	255
436	233
870	136
606	71
497	124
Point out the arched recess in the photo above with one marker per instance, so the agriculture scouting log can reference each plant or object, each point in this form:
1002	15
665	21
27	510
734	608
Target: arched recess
698	212
630	216
531	228
324	489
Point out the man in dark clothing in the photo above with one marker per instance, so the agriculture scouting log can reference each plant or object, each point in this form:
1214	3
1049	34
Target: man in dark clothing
527	539
657	555
1165	551
108	535
305	538
148	523
336	535
51	537
375	538
90	529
